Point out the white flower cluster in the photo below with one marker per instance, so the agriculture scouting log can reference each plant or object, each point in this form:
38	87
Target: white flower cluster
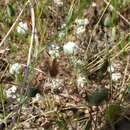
81	23
58	3
70	48
11	92
115	76
15	69
81	81
53	50
22	28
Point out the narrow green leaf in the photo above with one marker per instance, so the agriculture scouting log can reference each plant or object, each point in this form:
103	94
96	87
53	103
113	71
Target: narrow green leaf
10	10
31	92
112	113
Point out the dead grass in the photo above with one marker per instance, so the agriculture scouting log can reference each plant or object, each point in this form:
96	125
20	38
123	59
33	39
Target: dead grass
63	102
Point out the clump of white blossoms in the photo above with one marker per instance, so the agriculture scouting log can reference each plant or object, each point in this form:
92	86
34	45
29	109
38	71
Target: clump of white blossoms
58	3
82	22
15	69
11	92
22	28
80	30
54	50
81	81
70	48
115	76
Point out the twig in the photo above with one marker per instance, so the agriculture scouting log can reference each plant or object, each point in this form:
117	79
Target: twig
33	33
124	78
12	27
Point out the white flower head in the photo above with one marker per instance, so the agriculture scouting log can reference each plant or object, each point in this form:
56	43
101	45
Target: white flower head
94	4
82	22
70	48
58	3
53	50
115	76
22	28
80	30
38	98
15	68
110	69
61	34
63	26
81	81
11	92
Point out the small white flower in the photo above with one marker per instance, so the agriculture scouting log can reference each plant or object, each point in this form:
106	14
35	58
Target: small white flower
11	92
70	48
63	26
53	50
61	34
22	28
82	22
81	81
115	76
15	68
80	30
37	98
110	69
58	3
94	4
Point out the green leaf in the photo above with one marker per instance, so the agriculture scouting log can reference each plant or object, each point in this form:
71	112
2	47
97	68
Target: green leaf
98	97
129	89
69	16
10	10
31	92
112	113
121	47
107	21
